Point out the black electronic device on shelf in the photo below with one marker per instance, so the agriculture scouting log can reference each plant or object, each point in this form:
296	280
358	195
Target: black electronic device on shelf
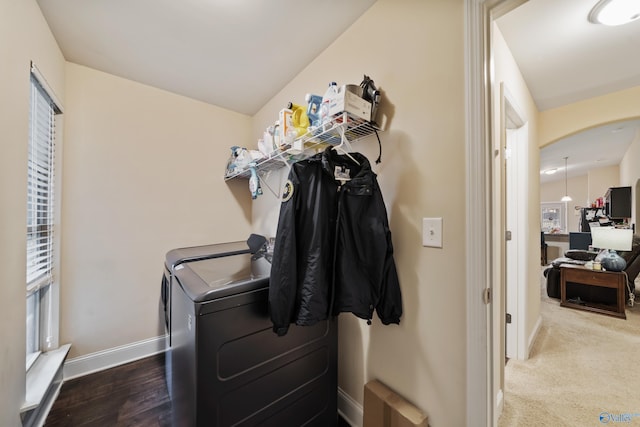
618	202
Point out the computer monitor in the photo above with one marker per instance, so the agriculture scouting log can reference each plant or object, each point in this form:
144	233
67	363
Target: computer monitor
579	241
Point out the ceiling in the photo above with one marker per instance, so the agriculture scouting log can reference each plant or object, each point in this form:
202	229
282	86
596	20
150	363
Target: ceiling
592	149
564	59
237	54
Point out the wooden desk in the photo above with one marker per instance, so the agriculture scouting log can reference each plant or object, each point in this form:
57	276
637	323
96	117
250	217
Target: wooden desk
606	279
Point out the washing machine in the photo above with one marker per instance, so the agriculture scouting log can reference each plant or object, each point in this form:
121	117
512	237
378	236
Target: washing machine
227	366
178	256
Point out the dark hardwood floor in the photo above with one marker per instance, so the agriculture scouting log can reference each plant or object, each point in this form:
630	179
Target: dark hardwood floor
134	394
129	395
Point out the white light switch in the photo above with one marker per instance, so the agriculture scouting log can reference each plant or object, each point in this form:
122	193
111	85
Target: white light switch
432	232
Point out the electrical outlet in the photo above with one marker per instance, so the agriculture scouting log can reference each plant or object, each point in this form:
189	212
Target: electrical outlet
432	232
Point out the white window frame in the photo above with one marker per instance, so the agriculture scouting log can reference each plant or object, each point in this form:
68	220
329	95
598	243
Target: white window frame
561	207
43	212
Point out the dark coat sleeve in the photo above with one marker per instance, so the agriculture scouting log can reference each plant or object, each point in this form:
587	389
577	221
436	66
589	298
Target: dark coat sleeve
283	280
389	307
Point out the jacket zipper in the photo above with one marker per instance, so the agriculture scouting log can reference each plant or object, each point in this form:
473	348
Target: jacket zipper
340	192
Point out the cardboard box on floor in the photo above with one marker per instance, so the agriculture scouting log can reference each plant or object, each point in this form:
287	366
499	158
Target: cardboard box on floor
385	408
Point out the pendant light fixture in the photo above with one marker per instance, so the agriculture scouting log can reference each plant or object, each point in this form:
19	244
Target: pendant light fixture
566	197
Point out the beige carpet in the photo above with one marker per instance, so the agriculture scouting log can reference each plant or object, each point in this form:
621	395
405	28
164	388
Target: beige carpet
582	366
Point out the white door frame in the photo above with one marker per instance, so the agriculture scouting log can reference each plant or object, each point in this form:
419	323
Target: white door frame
515	135
480	396
516	260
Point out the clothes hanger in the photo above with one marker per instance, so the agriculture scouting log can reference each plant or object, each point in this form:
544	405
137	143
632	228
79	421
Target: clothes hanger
344	142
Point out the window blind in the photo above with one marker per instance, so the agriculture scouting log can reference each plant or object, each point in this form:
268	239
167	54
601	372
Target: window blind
40	186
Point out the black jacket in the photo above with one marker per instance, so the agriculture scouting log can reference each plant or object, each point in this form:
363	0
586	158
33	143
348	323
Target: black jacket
333	250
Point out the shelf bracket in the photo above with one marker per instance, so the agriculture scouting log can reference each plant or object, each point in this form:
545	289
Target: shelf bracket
263	180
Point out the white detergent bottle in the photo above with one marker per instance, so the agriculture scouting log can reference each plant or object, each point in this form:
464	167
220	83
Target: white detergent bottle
328	98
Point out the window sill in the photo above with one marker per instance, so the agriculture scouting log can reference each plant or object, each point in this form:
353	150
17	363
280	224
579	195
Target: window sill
41	375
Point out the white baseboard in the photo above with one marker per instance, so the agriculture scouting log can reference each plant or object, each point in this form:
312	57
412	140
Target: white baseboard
499	404
349	409
534	335
109	358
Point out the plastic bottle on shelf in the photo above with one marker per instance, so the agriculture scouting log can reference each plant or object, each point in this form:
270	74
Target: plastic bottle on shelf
329	97
284	119
277	142
313	109
299	118
254	182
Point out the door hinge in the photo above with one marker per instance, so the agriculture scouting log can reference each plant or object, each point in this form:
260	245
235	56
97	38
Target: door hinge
507	235
486	295
508	318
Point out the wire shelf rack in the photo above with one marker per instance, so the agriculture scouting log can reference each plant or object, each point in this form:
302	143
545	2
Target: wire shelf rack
342	128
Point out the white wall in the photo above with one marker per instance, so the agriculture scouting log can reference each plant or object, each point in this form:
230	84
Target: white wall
143	174
630	174
24	37
413	50
601	179
577	189
584	189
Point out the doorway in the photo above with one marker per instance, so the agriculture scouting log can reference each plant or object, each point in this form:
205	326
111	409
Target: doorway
484	253
483	153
